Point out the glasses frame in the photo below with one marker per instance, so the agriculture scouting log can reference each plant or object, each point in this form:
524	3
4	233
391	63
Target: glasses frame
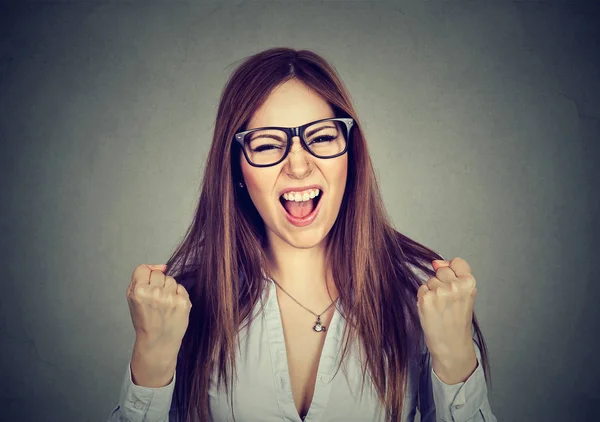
295	131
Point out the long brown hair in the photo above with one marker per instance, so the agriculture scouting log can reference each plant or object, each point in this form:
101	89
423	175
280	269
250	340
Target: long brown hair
222	256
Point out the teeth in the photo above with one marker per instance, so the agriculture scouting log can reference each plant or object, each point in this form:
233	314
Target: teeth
301	196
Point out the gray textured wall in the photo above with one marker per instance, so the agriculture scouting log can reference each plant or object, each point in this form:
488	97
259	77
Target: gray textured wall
482	120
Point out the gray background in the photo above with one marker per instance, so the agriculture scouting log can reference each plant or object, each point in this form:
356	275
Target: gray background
482	120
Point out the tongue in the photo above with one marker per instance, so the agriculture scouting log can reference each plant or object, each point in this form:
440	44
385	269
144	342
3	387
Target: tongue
299	209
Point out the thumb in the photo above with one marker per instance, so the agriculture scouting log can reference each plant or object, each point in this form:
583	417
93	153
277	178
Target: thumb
438	263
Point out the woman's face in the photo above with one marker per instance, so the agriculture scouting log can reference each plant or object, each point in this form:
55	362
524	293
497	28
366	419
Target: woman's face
289	105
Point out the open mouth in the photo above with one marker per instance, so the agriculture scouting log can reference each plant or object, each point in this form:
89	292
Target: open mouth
300	209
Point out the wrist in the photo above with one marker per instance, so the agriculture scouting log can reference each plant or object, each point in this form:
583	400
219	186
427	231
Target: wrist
149	377
152	370
158	349
457	370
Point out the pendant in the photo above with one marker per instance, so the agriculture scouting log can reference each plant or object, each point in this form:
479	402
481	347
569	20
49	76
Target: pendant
318	326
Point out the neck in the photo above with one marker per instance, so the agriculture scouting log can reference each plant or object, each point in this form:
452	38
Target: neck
303	273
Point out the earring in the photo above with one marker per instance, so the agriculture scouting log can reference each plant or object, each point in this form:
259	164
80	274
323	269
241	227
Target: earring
241	185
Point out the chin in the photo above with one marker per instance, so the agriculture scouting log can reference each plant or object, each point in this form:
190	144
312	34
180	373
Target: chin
303	239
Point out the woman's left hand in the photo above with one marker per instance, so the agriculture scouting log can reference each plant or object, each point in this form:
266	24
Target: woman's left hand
445	306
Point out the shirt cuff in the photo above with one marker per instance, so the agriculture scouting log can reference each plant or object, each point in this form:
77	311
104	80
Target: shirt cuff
145	404
460	402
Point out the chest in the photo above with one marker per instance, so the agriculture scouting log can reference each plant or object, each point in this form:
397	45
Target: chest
284	373
303	347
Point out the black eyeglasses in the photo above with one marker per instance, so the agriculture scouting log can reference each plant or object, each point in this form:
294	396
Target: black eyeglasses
268	146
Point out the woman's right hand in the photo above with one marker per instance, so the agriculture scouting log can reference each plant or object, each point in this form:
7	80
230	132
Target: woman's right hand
160	310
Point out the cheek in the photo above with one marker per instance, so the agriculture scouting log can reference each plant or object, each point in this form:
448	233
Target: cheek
253	186
339	174
345	168
259	184
249	173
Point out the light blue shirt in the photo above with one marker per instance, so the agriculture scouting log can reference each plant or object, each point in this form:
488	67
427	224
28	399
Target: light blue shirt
262	390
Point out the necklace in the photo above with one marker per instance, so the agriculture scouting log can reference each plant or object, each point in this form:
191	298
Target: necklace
318	327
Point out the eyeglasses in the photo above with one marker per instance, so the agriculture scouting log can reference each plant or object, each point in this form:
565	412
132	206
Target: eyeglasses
268	146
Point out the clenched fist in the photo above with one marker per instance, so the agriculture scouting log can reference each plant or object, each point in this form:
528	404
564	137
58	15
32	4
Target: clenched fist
445	306
160	310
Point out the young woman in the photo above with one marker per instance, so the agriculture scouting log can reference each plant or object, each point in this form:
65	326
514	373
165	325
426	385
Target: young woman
292	297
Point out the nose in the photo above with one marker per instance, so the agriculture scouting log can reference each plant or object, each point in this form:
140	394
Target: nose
299	160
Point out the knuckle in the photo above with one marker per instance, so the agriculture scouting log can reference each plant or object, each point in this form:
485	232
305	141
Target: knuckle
443	291
146	292
456	259
184	303
466	282
454	286
137	291
139	269
182	291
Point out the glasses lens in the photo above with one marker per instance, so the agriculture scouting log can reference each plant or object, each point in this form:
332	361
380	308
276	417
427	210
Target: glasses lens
265	146
326	138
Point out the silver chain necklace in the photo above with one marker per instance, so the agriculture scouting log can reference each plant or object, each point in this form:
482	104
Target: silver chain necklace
318	327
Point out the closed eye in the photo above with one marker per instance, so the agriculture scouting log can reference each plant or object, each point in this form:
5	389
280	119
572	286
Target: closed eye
323	139
266	148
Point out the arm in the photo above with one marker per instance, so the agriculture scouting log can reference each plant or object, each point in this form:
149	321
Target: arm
462	402
142	404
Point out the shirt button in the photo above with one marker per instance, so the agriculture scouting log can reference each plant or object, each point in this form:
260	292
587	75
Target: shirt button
458	406
139	405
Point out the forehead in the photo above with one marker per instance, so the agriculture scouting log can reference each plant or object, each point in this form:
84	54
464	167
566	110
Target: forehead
291	104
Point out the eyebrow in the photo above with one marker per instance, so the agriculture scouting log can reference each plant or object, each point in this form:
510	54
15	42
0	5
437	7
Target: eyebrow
311	132
265	135
306	134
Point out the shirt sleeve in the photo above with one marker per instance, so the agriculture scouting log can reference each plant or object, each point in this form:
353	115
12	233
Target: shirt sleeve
143	404
466	401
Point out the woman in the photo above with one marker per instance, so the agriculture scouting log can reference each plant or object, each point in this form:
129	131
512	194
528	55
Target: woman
291	271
